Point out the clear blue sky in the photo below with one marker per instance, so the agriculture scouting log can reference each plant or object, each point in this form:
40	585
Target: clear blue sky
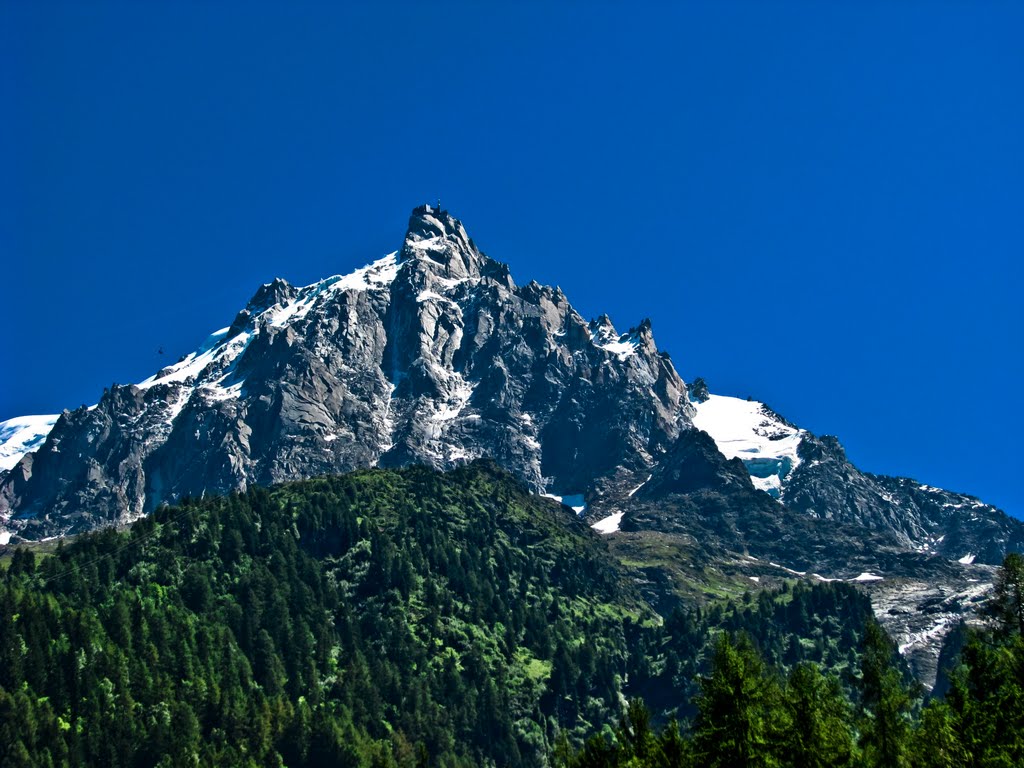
818	204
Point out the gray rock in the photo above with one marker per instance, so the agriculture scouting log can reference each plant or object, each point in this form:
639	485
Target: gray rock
433	355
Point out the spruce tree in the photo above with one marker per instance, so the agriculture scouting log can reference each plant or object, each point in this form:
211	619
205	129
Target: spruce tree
885	703
735	710
936	742
1006	609
818	733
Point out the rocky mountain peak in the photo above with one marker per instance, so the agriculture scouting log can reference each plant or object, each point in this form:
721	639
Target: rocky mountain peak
602	330
430	355
277	291
644	334
699	390
438	240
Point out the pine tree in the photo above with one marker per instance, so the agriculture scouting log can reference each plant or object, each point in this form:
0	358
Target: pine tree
885	703
673	751
936	742
818	733
735	709
986	701
635	732
1006	609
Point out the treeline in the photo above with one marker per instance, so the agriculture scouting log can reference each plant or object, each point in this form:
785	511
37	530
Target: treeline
748	714
801	622
384	618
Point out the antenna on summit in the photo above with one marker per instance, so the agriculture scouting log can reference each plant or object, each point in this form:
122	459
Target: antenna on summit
439	205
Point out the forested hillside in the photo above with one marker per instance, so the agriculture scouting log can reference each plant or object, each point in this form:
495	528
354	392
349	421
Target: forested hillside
380	618
749	714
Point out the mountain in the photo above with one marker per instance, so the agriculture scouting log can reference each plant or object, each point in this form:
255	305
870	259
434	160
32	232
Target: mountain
813	476
433	355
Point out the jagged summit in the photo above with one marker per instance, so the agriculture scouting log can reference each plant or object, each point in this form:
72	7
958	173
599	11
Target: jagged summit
430	355
427	222
438	237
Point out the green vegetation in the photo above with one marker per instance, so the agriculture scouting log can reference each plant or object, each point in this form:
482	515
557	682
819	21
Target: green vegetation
412	618
748	714
379	618
802	622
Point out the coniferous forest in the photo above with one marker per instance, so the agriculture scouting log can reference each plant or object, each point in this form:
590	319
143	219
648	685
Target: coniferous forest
413	618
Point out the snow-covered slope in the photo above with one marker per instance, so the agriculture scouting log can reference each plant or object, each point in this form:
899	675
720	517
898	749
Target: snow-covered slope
210	369
812	475
752	432
21	435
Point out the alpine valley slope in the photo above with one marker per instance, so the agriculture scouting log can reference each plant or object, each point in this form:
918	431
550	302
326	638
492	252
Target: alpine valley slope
434	355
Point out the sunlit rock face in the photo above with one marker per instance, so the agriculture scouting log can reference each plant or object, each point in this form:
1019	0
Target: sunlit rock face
430	355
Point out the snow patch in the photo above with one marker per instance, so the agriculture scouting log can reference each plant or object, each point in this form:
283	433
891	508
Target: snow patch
218	391
21	435
608	524
603	336
622	348
430	296
173	409
867	577
5	538
450	282
787	570
747	430
461	392
645	482
967	559
188	368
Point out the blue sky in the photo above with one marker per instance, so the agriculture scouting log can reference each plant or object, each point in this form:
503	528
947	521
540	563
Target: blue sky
817	204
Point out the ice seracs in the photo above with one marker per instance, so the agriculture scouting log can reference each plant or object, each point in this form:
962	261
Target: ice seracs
750	431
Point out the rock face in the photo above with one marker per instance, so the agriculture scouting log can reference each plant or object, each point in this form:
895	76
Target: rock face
434	355
431	355
812	475
926	555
